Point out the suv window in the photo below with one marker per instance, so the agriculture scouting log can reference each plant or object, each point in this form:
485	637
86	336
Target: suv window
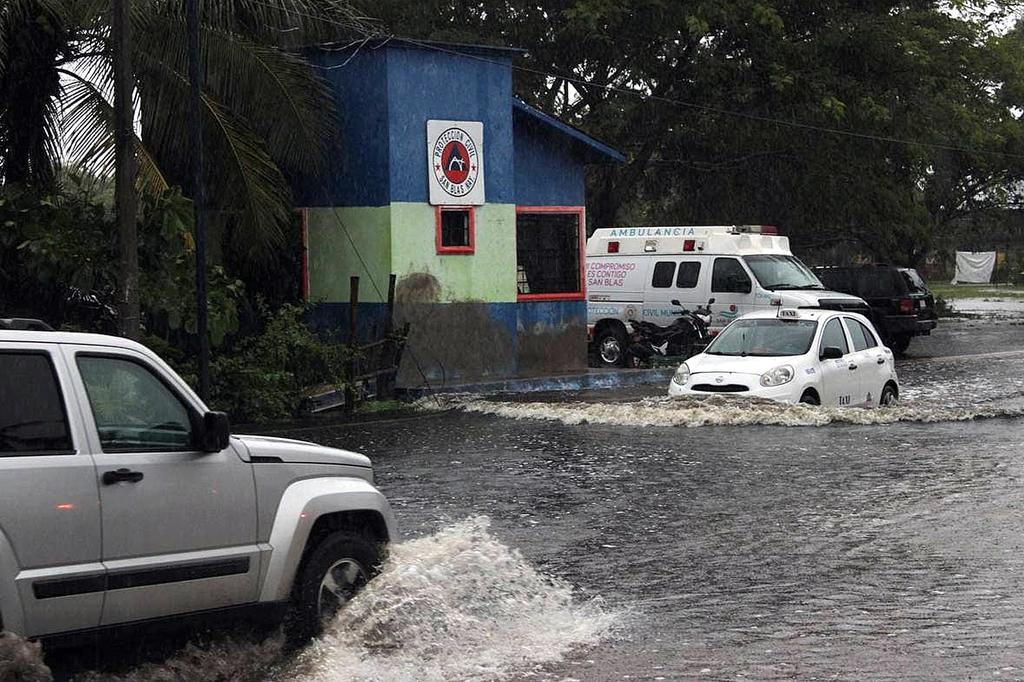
32	416
880	282
689	273
664	271
729	277
833	336
862	338
133	409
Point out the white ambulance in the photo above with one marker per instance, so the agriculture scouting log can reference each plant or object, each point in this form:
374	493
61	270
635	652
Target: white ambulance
634	273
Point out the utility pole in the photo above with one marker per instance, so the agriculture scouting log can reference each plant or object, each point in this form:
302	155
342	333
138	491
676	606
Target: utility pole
125	198
195	134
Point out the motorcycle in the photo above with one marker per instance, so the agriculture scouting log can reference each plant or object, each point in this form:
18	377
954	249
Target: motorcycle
685	337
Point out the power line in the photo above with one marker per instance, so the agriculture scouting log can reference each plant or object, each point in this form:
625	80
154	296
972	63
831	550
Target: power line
576	80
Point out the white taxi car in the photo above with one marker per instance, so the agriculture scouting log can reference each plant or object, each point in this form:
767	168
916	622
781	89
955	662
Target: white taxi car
814	356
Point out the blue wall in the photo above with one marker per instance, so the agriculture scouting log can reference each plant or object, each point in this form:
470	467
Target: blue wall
547	170
356	173
425	84
386	95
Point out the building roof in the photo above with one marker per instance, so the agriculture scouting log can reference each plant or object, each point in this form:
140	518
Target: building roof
595	147
456	48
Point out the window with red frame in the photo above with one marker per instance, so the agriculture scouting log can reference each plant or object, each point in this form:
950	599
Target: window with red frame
548	253
456	227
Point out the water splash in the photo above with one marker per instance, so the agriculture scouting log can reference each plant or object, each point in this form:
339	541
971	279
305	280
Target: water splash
718	411
457	605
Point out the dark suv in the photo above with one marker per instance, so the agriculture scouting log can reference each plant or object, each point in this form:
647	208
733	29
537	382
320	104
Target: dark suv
902	307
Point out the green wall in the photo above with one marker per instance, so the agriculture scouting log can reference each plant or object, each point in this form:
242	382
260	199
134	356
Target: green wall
400	239
487	275
332	259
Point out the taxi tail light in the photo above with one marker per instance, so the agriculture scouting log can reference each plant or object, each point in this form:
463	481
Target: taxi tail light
689	244
613	247
906	305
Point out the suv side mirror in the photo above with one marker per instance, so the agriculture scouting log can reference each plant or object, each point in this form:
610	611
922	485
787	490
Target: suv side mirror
831	353
675	302
216	432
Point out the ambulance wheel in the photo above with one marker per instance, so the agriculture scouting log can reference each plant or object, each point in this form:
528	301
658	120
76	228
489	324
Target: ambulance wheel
610	347
899	343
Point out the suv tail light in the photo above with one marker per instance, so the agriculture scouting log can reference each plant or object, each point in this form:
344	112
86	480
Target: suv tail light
906	305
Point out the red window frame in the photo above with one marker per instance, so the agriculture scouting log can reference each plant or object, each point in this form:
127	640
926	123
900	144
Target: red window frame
455	250
580	213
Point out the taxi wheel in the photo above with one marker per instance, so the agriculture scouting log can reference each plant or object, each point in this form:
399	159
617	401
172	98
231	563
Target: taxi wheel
889	396
810	398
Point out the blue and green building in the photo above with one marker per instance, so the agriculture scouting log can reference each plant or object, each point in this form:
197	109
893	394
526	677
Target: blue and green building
489	275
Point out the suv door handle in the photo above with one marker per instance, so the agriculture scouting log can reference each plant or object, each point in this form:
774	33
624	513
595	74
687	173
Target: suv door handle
121	476
851	366
881	361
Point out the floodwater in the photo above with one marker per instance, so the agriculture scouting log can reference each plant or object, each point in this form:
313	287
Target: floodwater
620	535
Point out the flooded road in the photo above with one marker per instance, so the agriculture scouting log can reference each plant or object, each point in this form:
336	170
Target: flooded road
608	536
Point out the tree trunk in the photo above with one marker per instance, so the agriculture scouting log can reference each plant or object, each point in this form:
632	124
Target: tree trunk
125	198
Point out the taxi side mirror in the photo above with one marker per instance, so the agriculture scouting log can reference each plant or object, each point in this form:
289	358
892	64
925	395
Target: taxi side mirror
831	353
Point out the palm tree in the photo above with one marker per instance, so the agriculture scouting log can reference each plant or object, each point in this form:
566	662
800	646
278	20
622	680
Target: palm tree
267	114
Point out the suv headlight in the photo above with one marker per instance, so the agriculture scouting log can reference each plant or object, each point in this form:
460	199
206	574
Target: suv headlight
777	376
682	375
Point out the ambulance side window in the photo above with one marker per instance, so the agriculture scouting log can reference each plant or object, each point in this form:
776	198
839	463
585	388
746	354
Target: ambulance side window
729	277
664	272
834	336
689	273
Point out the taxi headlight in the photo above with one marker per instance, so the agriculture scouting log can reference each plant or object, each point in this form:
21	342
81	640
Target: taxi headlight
682	375
778	376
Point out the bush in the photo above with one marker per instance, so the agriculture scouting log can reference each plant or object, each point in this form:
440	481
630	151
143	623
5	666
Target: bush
265	377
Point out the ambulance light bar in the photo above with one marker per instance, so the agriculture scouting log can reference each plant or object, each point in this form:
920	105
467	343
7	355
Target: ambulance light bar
754	229
613	247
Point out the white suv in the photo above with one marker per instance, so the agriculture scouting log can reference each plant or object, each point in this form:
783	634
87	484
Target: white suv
123	499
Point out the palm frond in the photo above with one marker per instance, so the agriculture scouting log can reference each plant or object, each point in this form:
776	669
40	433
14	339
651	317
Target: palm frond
87	128
241	178
277	93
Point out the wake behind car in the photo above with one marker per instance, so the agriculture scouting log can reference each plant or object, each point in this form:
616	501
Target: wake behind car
818	357
124	499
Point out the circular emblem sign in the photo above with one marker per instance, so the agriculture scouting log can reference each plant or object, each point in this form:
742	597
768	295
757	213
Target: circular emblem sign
455	162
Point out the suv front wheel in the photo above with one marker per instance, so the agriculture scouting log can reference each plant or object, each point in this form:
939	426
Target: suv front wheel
333	573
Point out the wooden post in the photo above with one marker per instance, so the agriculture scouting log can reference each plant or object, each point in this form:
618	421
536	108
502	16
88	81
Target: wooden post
389	323
353	341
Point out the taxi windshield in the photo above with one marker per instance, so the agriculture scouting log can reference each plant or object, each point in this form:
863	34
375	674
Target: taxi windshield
766	337
776	272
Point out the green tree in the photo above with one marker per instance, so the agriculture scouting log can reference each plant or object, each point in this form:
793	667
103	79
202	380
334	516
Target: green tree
267	113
